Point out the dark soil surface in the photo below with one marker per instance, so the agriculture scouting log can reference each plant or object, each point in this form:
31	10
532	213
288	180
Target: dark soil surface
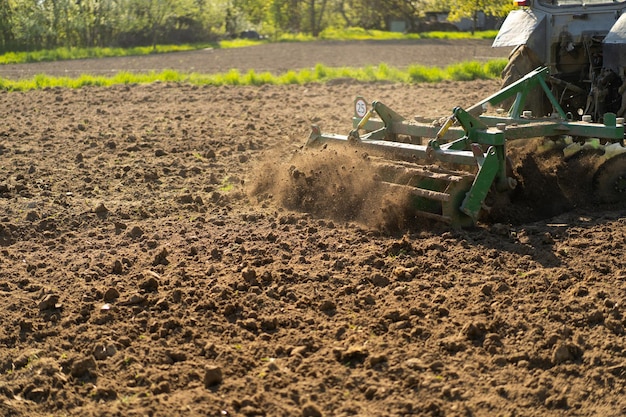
276	58
147	268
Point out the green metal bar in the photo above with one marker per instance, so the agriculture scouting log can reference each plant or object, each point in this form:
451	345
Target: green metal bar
380	134
385	113
516	128
516	109
553	100
457	145
579	129
610	120
478	133
406	151
411	128
525	83
488	168
520	89
529	128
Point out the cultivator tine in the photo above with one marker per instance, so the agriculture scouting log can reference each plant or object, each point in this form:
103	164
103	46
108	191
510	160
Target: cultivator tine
489	167
434	192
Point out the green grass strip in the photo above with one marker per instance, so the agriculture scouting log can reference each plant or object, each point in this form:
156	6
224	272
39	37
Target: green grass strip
64	54
465	71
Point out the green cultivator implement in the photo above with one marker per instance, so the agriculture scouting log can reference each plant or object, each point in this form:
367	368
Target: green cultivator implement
448	170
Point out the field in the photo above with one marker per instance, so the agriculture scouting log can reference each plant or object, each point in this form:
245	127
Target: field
149	268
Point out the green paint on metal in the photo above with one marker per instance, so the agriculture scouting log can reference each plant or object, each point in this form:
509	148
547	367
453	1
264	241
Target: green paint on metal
488	169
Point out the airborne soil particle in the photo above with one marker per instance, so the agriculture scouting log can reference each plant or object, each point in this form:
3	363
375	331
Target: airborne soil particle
138	275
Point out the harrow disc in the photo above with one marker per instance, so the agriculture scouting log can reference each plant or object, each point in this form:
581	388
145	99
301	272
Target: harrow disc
609	180
433	192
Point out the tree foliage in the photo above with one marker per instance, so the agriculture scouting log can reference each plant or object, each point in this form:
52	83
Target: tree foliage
45	24
366	14
470	8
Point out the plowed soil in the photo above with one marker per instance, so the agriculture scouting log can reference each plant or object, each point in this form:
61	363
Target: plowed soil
149	267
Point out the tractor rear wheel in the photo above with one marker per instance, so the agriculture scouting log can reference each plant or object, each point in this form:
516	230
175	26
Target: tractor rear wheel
609	180
522	61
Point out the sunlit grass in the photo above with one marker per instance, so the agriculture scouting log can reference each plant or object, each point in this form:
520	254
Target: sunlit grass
61	54
465	71
292	77
487	34
238	43
365	34
252	78
423	74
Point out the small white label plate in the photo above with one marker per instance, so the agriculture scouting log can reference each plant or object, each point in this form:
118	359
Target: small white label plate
360	107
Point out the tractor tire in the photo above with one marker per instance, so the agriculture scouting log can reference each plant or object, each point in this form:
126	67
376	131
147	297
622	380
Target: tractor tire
522	61
609	180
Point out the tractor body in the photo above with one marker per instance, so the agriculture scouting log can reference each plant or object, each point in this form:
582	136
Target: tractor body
582	43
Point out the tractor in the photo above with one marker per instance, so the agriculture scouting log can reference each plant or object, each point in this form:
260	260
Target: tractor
582	43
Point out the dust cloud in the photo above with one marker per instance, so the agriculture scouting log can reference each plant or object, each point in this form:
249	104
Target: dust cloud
332	182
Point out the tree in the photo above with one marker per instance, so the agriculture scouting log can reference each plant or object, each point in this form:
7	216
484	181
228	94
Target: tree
97	21
212	14
470	8
32	24
285	15
153	14
316	14
253	11
366	14
408	10
6	24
